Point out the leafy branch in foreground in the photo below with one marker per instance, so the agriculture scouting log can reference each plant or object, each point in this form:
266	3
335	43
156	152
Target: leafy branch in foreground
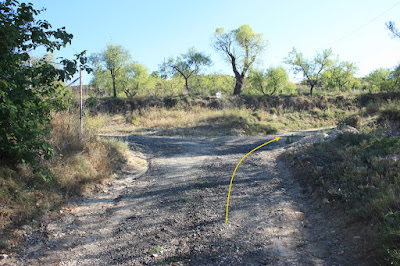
29	93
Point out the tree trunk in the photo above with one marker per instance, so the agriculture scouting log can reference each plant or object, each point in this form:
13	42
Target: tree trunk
186	85
272	93
311	89
114	87
238	86
114	83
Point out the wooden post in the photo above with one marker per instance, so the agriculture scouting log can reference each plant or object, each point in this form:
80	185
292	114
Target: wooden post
81	101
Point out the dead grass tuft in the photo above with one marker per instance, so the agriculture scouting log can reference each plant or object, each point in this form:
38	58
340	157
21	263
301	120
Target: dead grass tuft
80	161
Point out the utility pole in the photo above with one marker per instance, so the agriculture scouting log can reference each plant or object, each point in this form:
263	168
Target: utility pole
81	101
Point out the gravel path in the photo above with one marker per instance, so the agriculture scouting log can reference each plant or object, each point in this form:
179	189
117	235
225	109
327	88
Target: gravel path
172	211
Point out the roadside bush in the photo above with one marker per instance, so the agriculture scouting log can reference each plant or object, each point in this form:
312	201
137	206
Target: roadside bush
79	163
29	93
353	120
390	112
362	173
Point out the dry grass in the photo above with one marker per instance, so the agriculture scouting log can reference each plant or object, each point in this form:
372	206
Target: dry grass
79	162
206	121
360	173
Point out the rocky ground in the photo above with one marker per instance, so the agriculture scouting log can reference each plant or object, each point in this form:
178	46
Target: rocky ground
171	211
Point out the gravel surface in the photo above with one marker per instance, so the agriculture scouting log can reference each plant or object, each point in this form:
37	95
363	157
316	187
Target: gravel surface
171	211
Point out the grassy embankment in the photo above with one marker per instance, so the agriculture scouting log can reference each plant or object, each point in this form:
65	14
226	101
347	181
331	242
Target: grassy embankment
210	116
360	174
78	164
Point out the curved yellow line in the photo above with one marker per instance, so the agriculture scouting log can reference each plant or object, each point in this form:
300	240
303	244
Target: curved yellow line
230	185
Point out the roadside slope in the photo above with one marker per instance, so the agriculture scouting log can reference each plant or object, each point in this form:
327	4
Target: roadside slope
174	212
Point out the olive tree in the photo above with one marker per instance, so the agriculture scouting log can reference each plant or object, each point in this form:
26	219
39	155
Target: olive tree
187	65
240	47
340	75
311	69
270	81
113	58
381	79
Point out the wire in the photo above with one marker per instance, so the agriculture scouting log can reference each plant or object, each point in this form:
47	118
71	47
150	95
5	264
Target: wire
72	83
364	25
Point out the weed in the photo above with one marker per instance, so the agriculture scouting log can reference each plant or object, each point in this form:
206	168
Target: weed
188	198
390	112
154	250
176	259
292	138
350	120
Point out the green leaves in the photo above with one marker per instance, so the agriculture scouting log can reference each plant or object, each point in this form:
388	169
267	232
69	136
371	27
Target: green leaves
29	92
340	75
187	65
116	72
382	79
310	69
241	48
113	58
274	79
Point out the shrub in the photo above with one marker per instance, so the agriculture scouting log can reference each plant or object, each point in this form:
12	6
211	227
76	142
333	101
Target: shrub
29	93
362	173
351	120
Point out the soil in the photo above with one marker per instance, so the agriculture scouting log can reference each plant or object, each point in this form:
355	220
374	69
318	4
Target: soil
171	211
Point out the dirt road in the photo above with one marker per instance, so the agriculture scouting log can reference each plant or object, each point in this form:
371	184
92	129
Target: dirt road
172	211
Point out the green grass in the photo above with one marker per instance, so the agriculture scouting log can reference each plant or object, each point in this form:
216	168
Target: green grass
361	173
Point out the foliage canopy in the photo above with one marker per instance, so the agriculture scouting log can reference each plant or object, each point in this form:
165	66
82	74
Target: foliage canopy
187	65
241	48
114	58
311	69
29	93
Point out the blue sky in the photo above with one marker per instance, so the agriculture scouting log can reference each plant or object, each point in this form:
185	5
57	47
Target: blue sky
153	30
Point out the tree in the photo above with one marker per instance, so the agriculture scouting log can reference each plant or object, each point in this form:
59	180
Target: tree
187	65
310	69
113	58
393	29
340	75
241	48
134	77
381	79
272	80
28	93
396	76
213	83
277	78
258	80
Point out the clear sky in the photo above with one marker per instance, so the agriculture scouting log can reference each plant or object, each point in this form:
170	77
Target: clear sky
156	29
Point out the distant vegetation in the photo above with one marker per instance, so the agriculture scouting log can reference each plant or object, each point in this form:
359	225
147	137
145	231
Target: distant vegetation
116	74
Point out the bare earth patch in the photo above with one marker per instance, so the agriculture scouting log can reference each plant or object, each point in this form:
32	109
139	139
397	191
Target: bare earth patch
171	211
